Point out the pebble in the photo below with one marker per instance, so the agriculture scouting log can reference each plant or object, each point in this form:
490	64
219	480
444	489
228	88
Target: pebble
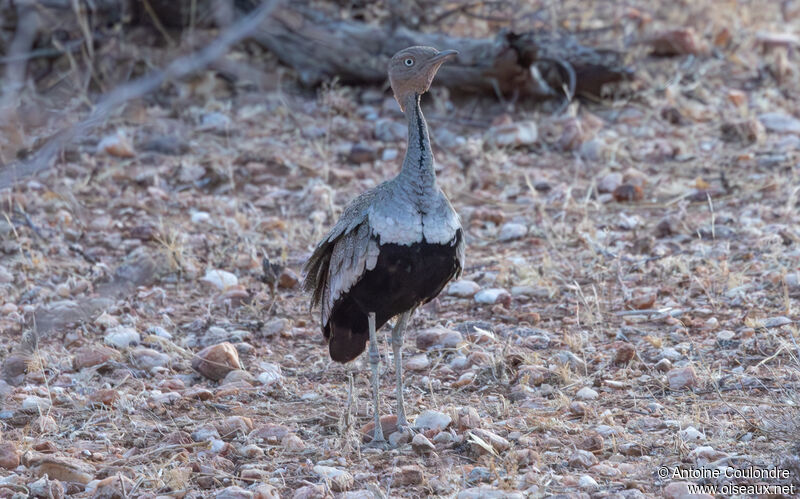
682	378
776	322
271	374
6	276
340	480
389	154
220	279
511	231
691	433
46	489
680	490
609	182
421	444
582	459
65	469
216	361
233	492
106	321
32	403
670	353
238	376
432	420
486	492
587	482
498	443
438	337
148	359
409	475
586	393
361	153
493	295
122	337
463	288
705	454
9	455
293	443
513	134
792	280
214	122
624	353
663	365
200	217
389	130
118	145
780	122
418	362
168	145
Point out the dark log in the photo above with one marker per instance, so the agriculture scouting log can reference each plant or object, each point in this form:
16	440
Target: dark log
320	48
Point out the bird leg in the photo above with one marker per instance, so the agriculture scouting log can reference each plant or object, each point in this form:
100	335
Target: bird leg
397	348
374	361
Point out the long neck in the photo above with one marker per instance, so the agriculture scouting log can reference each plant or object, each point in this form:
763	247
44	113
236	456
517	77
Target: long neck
418	163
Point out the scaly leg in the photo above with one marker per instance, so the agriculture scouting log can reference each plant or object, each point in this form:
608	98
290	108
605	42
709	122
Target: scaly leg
397	348
374	361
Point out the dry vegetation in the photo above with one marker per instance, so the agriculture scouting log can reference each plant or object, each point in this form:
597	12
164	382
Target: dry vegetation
638	266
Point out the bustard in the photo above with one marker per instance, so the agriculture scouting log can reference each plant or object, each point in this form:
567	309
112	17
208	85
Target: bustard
394	246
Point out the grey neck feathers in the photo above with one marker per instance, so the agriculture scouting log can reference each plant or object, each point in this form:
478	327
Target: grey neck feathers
418	164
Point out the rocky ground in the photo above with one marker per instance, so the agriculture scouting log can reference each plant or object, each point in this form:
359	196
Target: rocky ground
630	298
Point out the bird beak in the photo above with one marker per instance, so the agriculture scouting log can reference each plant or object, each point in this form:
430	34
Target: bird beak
442	56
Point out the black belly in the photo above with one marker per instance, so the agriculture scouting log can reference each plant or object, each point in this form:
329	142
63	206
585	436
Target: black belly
404	277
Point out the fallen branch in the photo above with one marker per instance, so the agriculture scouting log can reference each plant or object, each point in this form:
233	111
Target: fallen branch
112	101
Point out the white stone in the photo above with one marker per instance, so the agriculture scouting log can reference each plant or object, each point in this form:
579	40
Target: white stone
491	296
432	420
32	403
121	337
340	479
587	482
691	433
511	231
220	279
199	217
418	362
609	182
271	375
513	134
463	288
780	122
586	393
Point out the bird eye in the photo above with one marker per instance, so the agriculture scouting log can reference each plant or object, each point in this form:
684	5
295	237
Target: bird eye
409	62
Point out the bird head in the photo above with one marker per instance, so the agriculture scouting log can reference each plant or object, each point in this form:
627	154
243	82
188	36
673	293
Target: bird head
411	71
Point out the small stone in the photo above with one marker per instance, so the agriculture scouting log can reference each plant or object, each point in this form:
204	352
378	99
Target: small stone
428	339
104	396
389	154
233	492
511	231
493	295
409	475
682	378
233	427
577	408
792	280
65	469
498	443
35	404
418	362
45	424
148	359
167	145
587	482
220	279
776	322
44	488
117	145
463	288
362	153
293	443
592	442
9	455
586	393
706	454
513	134
288	279
122	337
112	487
582	459
691	434
628	193
271	374
311	492
200	217
214	122
265	491
216	361
633	449
339	480
677	41
421	444
106	321
486	492
432	420
388	130
642	299
238	376
270	433
624	353
6	276
780	122
609	182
